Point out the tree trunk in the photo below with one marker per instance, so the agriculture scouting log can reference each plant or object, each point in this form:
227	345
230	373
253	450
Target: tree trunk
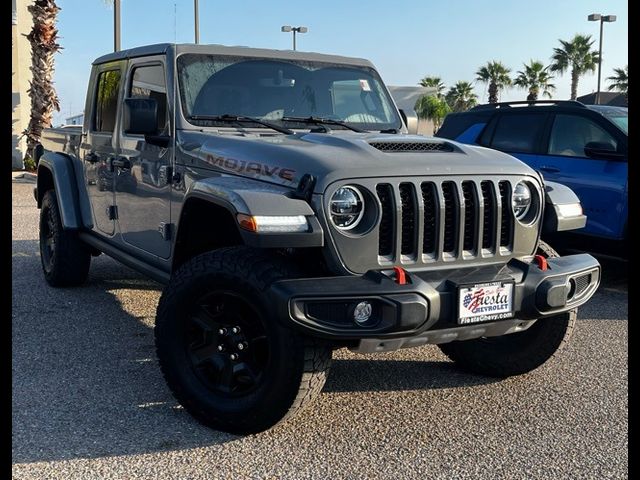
533	95
493	93
574	84
43	96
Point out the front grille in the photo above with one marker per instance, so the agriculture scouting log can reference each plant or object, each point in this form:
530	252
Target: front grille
445	220
412	146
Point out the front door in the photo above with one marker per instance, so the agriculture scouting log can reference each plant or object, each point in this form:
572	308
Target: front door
142	174
599	183
99	147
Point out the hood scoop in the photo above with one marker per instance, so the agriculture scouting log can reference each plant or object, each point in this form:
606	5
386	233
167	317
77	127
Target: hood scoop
413	147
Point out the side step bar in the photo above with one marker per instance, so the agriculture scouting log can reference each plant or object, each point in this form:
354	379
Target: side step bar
129	260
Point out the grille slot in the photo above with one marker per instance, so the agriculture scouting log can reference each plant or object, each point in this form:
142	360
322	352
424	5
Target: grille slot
489	215
444	220
470	216
430	201
451	213
400	147
506	224
386	231
408	203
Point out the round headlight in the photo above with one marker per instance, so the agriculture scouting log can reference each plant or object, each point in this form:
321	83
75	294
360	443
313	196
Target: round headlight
346	207
521	200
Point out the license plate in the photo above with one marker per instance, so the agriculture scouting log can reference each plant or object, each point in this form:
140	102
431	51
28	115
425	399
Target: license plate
485	301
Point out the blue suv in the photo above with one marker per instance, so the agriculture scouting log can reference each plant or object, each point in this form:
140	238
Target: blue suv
581	146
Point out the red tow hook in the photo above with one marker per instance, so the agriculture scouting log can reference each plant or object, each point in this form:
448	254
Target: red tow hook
401	275
542	262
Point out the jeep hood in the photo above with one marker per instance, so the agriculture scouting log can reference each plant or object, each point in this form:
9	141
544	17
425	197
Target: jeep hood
338	155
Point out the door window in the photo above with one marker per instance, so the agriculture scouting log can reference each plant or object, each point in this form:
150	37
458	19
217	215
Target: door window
518	133
570	134
106	101
148	82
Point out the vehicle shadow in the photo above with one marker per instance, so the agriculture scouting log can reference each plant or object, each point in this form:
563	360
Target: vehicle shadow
86	382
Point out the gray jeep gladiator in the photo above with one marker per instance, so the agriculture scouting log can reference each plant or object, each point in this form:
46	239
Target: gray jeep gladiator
283	203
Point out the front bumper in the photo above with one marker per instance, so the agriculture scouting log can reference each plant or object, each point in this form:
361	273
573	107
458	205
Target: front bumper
425	309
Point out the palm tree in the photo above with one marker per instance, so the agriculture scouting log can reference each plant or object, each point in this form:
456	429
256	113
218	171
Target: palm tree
577	55
620	81
497	76
432	107
435	82
461	97
44	99
536	78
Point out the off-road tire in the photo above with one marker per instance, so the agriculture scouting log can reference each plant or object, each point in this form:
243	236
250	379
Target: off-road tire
516	353
298	366
64	257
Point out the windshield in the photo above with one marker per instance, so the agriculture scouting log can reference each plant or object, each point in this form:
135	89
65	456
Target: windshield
270	89
618	115
621	121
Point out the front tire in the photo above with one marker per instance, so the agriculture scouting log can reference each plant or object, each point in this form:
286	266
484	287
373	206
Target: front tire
226	358
65	259
515	353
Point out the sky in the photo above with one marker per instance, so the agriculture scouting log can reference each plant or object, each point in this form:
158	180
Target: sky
406	40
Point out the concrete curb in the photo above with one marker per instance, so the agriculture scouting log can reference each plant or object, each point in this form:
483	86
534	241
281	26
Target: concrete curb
24	177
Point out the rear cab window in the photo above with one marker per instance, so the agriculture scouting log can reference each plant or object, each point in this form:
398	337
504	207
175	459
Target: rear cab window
106	101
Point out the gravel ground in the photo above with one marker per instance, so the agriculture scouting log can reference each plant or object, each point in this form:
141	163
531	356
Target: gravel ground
89	400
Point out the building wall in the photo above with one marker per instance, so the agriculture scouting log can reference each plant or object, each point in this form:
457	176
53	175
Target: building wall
20	78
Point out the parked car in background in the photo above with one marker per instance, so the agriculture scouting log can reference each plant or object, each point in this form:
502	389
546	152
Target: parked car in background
581	146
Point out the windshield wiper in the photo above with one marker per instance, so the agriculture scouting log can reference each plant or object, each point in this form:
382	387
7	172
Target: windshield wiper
321	121
241	119
390	130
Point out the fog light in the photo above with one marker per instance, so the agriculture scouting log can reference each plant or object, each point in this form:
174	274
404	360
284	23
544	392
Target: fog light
362	312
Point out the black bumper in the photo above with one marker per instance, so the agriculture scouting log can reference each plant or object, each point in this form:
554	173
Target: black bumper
324	307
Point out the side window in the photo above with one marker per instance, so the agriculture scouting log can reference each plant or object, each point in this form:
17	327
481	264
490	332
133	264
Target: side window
518	133
106	101
148	82
570	134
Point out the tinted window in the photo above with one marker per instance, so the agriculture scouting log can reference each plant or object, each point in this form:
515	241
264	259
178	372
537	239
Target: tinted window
570	133
148	82
107	101
517	133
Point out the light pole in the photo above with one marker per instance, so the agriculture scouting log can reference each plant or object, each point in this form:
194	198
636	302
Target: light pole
287	28
196	19
116	25
595	17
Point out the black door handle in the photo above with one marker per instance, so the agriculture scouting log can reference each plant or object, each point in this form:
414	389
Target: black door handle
550	169
91	157
121	163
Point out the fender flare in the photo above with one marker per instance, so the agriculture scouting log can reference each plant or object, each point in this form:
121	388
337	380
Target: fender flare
74	213
557	195
251	197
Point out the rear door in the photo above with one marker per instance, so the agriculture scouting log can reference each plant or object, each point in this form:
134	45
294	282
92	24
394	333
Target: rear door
599	183
143	173
99	146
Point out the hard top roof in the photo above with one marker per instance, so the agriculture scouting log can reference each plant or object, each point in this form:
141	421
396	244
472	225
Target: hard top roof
214	49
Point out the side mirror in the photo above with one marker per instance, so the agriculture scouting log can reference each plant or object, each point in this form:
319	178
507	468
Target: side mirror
140	116
601	150
410	120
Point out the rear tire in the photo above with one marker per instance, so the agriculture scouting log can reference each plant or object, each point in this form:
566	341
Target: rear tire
515	353
65	259
275	373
